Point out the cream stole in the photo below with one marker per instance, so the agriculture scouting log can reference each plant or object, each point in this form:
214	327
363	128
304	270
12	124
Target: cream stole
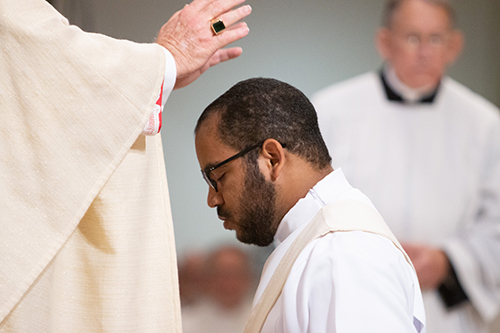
344	215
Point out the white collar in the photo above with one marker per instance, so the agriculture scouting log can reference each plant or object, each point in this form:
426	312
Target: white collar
324	192
410	95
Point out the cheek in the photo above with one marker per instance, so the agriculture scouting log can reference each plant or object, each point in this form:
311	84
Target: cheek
401	58
233	201
403	63
443	62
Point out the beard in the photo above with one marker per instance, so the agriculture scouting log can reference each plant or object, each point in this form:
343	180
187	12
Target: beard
257	209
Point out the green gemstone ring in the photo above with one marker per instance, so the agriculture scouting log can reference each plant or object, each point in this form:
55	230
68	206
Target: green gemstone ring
217	26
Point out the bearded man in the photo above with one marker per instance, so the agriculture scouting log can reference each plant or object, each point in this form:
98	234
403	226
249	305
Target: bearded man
336	266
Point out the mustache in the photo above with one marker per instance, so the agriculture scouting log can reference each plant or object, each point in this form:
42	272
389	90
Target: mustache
222	212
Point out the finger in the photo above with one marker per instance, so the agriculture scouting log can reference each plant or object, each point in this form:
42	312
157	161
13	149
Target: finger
215	8
225	55
229	36
231	53
199	4
236	15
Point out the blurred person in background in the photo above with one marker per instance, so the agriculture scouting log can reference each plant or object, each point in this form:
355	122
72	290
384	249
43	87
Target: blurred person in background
426	150
191	278
224	304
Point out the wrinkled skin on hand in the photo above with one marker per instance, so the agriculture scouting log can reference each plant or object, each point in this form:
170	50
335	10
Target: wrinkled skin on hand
189	37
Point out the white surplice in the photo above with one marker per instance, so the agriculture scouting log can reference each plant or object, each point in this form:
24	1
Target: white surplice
433	172
343	282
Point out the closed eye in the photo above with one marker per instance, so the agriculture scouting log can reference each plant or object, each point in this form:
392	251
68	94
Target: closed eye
218	179
219	173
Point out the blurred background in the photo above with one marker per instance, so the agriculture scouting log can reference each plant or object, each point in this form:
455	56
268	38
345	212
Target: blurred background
309	44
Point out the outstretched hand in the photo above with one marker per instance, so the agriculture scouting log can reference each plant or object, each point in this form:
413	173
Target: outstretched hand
189	37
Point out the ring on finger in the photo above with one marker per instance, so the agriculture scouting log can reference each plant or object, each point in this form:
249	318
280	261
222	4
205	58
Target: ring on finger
217	26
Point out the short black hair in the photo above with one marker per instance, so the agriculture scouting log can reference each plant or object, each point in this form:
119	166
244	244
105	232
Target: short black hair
391	6
256	109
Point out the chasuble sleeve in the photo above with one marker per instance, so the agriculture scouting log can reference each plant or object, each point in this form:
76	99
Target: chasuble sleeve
72	105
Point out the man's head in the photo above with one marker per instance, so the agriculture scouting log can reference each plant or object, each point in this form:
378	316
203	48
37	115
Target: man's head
419	40
229	276
283	155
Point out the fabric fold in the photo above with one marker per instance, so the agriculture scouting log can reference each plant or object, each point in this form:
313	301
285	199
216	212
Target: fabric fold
73	104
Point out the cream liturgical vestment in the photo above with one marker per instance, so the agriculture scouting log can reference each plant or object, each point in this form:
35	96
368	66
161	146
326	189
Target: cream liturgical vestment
86	236
432	169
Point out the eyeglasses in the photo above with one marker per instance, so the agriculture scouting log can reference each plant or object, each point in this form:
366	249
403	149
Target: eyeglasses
206	172
415	41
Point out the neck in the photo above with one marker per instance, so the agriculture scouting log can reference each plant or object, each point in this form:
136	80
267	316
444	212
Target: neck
409	94
298	184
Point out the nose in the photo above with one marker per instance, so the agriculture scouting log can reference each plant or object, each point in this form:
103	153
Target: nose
426	50
214	198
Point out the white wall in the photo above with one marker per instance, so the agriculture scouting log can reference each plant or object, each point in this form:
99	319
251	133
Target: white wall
307	43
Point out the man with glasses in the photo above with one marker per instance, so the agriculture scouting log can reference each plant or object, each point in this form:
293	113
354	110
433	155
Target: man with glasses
336	266
426	150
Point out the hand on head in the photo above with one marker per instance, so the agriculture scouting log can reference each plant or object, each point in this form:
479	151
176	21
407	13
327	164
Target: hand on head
189	37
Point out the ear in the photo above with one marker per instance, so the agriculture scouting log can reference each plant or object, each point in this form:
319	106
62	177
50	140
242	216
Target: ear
455	46
274	157
383	43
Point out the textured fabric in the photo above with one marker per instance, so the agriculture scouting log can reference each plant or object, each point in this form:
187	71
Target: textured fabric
351	281
339	216
86	240
153	125
433	172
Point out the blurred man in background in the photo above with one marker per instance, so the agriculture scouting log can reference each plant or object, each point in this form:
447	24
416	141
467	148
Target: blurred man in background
426	150
225	292
191	278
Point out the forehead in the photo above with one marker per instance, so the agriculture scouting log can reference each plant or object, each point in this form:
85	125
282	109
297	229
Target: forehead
210	149
420	16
